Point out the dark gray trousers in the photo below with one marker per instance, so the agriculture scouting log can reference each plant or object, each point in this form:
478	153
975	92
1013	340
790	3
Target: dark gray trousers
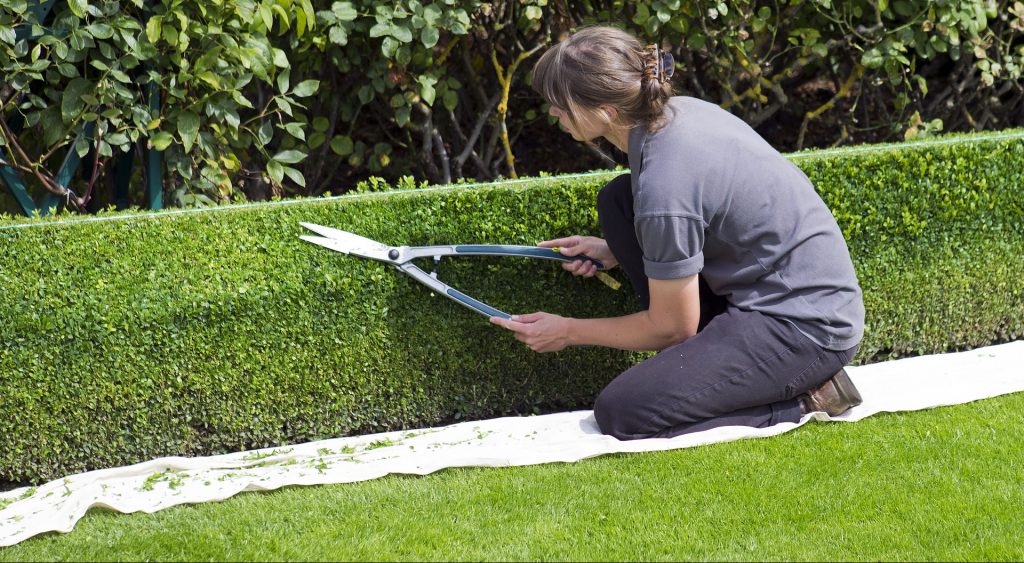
742	368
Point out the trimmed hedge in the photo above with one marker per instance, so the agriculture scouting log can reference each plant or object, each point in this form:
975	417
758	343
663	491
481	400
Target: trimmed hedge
196	333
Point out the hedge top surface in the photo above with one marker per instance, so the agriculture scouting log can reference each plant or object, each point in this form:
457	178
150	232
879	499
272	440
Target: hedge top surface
10	222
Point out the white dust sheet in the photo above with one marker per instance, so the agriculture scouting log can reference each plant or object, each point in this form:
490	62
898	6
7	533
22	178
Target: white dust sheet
900	385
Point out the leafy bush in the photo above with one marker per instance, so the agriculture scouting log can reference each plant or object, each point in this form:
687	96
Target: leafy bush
140	335
258	99
182	77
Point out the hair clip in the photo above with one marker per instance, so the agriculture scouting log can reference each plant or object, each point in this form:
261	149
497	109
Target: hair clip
657	65
667	67
650	59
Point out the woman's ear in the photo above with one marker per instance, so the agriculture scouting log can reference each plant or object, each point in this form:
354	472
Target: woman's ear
609	114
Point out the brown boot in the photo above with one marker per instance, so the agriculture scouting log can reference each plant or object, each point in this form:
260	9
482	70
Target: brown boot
834	397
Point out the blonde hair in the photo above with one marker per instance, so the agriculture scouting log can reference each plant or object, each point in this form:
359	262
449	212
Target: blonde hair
604	66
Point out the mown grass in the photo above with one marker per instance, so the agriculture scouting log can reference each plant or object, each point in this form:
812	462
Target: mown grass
944	484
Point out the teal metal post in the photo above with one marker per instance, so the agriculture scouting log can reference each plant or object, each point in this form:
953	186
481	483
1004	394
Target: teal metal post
154	160
41	10
17	189
51	202
122	178
67	169
9	175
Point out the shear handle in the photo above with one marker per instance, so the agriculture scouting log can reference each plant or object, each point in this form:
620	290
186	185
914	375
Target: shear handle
403	254
526	251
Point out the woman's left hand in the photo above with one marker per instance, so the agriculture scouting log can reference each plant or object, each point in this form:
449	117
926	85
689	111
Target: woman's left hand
542	332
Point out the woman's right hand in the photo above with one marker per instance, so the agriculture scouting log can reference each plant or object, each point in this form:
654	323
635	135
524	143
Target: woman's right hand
576	245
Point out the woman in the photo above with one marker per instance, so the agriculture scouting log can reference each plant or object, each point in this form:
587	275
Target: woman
746	286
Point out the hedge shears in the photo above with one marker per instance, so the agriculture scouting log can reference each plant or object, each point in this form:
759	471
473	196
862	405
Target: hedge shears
401	257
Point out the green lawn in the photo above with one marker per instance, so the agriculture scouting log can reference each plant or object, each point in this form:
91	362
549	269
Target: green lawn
945	484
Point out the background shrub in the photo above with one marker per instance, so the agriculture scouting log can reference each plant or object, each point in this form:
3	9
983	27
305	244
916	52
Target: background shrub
257	99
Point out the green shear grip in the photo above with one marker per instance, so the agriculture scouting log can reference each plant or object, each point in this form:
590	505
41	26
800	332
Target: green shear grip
525	251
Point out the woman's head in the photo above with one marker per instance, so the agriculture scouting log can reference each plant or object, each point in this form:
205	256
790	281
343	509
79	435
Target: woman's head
604	73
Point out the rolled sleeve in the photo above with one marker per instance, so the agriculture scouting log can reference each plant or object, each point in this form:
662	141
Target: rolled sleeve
674	270
672	245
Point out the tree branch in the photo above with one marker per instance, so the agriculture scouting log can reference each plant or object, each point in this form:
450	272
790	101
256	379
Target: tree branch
505	80
481	120
427	147
47	183
430	131
843	92
95	169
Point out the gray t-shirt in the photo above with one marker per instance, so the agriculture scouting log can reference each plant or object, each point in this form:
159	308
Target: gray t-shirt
711	196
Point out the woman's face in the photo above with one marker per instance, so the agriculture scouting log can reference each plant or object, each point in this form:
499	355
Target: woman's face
589	126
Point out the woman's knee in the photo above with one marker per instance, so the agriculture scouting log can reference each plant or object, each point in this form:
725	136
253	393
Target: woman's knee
617	414
616	197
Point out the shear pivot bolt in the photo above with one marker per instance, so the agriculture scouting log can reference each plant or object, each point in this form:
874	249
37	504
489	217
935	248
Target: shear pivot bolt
393	254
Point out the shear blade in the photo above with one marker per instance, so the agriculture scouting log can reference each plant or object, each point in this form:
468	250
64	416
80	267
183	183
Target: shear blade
326	243
354	240
348	243
328	232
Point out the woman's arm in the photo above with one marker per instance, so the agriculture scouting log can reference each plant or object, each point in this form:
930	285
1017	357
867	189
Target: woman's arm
672	317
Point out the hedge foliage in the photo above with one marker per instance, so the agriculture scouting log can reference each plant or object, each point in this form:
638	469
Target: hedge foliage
144	335
252	98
